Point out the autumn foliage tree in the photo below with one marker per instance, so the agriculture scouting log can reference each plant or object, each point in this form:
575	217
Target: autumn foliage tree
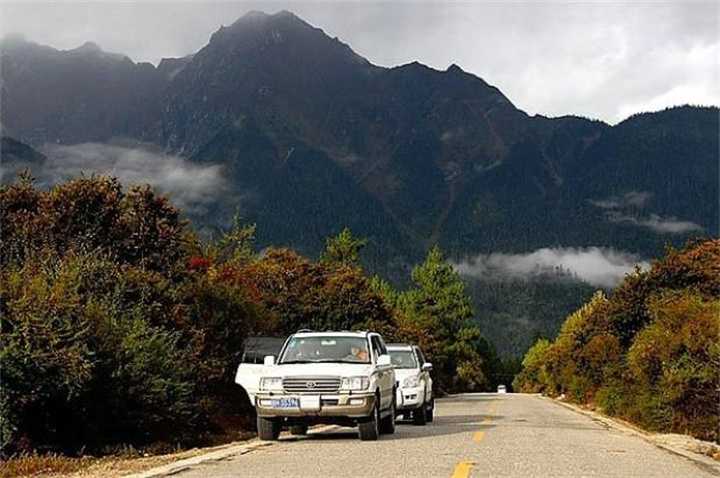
111	334
649	353
121	326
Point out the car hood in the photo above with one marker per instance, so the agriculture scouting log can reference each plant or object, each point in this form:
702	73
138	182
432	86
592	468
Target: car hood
313	369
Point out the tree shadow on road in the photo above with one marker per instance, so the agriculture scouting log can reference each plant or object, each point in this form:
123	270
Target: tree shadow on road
442	426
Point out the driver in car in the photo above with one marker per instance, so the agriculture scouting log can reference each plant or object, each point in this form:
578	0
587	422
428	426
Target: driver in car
358	353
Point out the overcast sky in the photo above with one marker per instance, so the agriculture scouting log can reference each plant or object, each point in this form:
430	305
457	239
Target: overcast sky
600	60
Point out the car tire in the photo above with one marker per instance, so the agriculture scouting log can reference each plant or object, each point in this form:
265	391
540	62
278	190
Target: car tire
298	430
430	415
369	429
420	415
268	429
387	424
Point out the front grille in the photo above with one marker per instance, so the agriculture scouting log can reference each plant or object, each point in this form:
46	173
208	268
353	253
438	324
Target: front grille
311	384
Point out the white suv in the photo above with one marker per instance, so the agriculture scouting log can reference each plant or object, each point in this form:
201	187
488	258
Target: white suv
342	378
414	384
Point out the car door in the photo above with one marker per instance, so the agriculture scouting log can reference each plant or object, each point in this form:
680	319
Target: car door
251	367
386	375
424	376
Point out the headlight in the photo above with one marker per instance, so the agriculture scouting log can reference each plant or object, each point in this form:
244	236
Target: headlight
271	383
355	383
411	381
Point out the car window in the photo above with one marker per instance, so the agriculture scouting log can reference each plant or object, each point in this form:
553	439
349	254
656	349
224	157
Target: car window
419	355
383	348
403	359
256	348
326	348
375	346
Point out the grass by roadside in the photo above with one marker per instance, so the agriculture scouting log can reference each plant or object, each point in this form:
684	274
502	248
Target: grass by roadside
33	465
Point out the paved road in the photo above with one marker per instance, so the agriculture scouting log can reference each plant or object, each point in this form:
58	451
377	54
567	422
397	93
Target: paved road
477	435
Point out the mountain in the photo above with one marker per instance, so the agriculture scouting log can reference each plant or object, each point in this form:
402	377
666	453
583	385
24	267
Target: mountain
315	137
74	96
16	156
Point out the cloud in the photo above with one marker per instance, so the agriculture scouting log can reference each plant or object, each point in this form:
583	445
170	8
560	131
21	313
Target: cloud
663	225
637	199
633	198
600	267
192	187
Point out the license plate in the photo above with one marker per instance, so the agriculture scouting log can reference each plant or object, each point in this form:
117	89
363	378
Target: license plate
310	402
285	402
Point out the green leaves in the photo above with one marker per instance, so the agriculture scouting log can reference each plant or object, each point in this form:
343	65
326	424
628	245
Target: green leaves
343	249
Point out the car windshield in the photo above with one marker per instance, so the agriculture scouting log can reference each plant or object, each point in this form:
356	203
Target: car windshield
326	349
403	359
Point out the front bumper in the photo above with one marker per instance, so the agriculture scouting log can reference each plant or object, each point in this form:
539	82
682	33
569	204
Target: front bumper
355	405
409	398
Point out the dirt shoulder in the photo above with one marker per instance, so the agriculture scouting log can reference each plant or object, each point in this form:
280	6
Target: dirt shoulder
54	466
705	452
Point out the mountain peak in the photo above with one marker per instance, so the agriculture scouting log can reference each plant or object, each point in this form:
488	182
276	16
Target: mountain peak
89	47
261	19
282	35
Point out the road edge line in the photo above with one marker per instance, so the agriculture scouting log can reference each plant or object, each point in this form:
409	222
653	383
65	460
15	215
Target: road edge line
706	463
217	455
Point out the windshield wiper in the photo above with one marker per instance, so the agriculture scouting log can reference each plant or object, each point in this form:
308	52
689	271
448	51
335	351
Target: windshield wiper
297	361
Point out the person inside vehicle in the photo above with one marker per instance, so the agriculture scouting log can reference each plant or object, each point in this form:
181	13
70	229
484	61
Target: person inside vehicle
359	354
304	351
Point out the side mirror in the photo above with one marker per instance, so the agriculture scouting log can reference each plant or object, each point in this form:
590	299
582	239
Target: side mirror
269	360
384	360
427	366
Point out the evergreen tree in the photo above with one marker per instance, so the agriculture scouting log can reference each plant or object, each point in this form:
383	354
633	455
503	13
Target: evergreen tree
343	249
440	305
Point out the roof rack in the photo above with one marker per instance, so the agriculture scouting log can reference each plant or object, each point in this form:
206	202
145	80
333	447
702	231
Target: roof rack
304	330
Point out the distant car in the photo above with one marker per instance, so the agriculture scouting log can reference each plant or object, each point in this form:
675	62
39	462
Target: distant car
501	389
414	384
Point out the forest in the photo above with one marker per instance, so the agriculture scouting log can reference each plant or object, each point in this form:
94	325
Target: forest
123	327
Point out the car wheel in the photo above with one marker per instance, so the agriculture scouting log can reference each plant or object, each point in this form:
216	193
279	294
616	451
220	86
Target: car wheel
298	430
420	415
369	429
430	415
387	424
268	429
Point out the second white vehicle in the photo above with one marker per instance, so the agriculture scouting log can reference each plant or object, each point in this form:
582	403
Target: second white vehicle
414	385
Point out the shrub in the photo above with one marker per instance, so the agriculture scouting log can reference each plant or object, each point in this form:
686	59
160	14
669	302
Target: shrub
677	358
650	354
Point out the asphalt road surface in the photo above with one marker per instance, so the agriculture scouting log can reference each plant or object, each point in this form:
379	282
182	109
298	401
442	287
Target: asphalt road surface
474	435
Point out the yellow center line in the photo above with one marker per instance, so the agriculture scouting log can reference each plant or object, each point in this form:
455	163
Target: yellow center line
487	421
462	470
478	436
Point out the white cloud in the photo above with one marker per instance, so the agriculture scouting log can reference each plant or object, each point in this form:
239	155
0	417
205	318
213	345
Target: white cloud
601	267
192	187
663	225
637	199
633	198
